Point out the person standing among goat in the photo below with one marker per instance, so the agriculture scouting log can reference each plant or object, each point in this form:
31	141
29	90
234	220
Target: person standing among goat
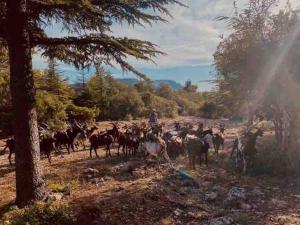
153	118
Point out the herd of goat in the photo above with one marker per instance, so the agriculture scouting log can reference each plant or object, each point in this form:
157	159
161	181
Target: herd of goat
144	140
134	139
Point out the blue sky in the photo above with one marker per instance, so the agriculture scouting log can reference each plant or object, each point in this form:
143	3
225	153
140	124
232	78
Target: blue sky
189	38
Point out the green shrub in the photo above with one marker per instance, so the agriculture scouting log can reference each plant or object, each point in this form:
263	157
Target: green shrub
63	187
82	114
273	161
40	214
51	110
209	110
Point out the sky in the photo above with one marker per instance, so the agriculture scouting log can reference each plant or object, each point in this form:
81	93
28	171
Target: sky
189	38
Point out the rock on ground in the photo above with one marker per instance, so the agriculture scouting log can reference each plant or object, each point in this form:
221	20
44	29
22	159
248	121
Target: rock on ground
225	220
235	197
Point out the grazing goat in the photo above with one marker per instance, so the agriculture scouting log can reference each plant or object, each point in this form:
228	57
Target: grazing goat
177	126
175	145
114	132
97	140
218	141
157	130
156	149
196	147
123	143
46	146
83	136
245	149
128	142
10	145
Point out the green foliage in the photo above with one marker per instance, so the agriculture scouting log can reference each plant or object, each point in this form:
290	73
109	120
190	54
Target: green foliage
81	114
210	110
245	58
256	67
53	100
54	103
64	187
40	214
51	110
5	98
127	101
164	107
88	23
271	160
119	101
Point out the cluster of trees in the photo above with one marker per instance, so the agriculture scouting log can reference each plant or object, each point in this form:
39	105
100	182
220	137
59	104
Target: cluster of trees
258	70
53	100
117	101
100	97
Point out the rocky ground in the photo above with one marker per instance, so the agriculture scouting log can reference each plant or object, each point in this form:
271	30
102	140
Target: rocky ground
118	190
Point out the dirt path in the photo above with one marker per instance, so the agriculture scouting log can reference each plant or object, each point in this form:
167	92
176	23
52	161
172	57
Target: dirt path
100	191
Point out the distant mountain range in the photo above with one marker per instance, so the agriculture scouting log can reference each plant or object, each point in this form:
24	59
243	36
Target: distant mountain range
131	81
174	76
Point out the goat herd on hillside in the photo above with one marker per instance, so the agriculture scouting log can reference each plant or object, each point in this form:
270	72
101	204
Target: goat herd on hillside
141	139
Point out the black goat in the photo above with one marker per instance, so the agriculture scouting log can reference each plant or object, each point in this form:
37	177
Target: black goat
97	140
67	138
197	147
46	146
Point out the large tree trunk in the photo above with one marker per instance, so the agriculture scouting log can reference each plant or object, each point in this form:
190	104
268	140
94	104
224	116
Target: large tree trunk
29	183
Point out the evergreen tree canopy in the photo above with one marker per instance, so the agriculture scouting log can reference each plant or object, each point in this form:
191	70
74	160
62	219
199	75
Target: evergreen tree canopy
88	23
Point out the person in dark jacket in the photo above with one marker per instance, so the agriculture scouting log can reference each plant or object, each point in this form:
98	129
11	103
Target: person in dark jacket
153	118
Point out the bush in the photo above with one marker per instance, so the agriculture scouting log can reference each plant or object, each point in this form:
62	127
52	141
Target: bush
51	110
40	214
164	107
273	161
128	101
209	110
82	114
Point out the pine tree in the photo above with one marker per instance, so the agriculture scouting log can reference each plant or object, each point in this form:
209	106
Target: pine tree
22	28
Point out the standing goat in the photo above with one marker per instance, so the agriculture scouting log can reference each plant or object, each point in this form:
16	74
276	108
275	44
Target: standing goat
97	140
46	146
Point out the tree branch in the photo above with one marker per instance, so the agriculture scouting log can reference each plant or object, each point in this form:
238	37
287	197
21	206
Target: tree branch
92	49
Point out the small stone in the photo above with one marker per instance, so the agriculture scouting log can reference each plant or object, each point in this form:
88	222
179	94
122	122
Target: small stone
91	171
279	203
212	196
56	196
167	221
235	196
245	206
191	214
178	212
257	193
206	184
225	220
217	188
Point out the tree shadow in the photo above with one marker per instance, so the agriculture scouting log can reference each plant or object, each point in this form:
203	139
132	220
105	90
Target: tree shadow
6	169
145	205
